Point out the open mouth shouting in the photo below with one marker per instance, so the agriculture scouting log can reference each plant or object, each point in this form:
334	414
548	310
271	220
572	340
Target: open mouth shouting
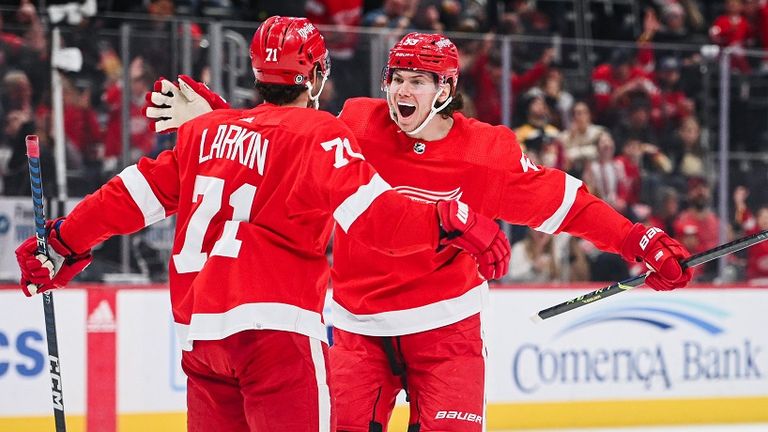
406	109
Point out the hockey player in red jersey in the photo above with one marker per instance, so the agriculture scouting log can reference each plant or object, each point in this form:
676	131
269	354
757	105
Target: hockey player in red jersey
413	322
256	193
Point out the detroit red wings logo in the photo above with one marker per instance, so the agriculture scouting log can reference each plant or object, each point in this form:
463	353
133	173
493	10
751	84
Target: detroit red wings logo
429	196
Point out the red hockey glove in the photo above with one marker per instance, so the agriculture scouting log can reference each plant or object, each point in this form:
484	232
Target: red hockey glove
661	253
40	272
479	235
170	105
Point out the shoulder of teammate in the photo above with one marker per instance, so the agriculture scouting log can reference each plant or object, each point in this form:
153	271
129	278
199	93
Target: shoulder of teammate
496	146
361	113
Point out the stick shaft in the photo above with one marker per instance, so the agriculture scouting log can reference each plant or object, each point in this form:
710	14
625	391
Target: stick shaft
36	182
628	284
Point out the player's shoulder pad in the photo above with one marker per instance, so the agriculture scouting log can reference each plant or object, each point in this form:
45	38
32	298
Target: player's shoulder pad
498	145
361	112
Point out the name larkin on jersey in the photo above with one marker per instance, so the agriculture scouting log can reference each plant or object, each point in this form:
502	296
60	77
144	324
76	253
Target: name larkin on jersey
237	144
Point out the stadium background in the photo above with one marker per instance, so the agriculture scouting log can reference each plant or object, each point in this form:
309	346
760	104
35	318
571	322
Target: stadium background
661	106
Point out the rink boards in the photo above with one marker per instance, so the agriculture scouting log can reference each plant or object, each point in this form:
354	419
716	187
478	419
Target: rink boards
692	356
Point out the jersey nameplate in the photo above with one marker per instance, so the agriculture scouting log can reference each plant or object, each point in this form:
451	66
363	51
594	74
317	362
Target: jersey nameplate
237	144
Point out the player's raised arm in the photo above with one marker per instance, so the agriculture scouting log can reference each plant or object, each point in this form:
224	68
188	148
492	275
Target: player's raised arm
140	195
552	201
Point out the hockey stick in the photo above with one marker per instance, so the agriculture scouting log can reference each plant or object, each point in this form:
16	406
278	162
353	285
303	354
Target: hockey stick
628	284
36	181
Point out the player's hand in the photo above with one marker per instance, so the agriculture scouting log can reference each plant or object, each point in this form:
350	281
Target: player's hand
40	272
479	235
170	105
661	253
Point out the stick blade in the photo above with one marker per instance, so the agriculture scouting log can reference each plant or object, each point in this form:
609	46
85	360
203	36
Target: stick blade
535	318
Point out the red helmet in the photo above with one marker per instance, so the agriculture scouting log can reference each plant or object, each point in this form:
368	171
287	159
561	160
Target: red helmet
285	51
425	52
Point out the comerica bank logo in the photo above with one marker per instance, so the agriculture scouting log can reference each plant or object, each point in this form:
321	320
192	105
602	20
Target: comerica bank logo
662	315
646	344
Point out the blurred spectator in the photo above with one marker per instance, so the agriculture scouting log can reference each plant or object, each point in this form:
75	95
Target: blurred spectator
33	38
665	210
81	126
142	139
580	139
636	123
757	255
673	105
619	84
519	17
437	15
538	137
342	14
673	29
536	258
394	14
697	226
486	74
576	263
17	124
559	100
629	163
733	30
605	177
17	92
685	150
742	217
151	39
342	43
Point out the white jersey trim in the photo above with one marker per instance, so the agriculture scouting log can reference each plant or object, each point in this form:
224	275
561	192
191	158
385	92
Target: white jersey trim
357	203
142	194
251	316
414	320
572	185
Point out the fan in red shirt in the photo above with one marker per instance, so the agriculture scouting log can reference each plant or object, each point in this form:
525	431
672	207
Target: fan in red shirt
256	193
414	322
733	30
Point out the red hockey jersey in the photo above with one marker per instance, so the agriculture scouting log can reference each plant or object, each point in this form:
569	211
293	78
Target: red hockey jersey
256	194
380	295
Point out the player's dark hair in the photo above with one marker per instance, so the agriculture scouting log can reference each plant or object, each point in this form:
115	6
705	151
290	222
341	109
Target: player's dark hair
457	104
279	94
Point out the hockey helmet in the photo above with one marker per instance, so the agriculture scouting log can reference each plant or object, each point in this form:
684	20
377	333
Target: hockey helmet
285	50
424	52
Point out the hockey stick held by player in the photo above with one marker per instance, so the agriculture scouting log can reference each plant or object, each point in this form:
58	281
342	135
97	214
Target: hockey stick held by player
40	272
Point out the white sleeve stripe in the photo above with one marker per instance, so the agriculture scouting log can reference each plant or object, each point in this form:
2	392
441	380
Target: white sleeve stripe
357	203
572	185
142	195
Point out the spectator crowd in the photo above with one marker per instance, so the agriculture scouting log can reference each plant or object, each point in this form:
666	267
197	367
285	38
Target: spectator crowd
635	121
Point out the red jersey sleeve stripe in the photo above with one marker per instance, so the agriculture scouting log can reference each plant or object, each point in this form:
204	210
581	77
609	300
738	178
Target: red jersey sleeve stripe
551	225
357	203
142	195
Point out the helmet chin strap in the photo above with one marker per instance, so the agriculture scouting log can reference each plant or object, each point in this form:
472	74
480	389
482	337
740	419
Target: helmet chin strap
434	110
316	98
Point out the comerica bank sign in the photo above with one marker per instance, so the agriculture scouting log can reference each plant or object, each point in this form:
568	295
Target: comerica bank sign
643	346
